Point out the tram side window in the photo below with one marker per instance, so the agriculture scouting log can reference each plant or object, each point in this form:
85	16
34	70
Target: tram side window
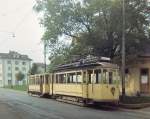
50	79
29	81
68	78
105	76
84	77
62	78
97	76
41	80
90	73
56	79
37	81
73	78
110	77
79	77
33	82
46	79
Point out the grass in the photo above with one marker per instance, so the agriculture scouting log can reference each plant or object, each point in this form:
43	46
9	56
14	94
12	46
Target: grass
17	87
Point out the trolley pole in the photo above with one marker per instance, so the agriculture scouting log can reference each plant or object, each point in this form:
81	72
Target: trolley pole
44	56
123	48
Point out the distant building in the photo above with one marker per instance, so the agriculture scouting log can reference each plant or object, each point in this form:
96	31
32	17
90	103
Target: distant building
138	76
10	64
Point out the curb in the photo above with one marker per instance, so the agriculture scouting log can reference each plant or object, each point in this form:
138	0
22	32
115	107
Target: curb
134	106
13	90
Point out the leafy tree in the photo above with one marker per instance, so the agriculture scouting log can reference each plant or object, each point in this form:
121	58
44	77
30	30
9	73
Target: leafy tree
20	76
34	69
95	26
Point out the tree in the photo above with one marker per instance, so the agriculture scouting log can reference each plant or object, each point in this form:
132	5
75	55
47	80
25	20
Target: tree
34	69
20	76
95	26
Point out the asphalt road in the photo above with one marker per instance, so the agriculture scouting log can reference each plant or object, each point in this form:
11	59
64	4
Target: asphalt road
18	105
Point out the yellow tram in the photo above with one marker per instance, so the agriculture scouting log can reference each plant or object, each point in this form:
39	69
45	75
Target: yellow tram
85	82
39	84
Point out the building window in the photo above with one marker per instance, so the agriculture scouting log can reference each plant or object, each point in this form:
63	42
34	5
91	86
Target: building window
9	62
24	63
9	68
24	69
16	62
9	82
1	82
9	74
144	76
16	68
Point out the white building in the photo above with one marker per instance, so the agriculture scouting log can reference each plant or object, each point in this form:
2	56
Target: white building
10	64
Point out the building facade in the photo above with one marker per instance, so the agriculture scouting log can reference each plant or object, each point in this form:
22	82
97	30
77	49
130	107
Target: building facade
138	76
10	64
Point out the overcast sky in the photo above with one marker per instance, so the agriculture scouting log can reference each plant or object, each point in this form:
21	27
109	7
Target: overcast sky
18	16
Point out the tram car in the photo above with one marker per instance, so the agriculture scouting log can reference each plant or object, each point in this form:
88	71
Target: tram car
82	82
39	84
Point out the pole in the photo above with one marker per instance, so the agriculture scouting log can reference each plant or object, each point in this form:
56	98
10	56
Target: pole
44	56
123	48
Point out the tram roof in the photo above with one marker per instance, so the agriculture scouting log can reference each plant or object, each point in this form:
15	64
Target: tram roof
84	65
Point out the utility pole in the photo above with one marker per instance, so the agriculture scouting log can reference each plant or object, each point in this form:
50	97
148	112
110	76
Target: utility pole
123	48
44	55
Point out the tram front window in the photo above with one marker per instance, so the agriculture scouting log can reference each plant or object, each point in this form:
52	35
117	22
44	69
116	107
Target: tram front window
109	77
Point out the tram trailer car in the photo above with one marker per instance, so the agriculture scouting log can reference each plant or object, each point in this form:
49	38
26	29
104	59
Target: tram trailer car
39	84
82	83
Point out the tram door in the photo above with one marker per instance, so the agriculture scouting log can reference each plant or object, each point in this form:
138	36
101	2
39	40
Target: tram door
94	78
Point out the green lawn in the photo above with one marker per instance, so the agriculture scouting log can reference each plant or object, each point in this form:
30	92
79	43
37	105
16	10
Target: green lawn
18	87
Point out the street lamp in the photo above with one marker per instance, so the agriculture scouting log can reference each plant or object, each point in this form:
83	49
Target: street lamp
123	48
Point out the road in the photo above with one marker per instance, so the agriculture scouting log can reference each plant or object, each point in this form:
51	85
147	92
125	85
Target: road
18	105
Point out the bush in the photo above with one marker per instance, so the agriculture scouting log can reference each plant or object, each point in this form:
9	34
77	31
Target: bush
134	99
